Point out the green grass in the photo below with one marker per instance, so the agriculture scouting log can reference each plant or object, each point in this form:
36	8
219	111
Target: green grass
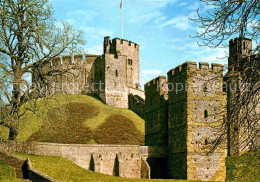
7	173
4	132
65	171
78	119
243	168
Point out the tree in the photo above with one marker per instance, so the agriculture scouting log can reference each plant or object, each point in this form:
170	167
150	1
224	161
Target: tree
224	20
28	37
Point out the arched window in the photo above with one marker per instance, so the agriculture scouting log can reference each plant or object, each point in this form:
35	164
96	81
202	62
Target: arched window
116	73
205	114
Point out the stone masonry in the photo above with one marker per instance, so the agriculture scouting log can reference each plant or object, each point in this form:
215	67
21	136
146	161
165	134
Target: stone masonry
112	76
240	52
183	113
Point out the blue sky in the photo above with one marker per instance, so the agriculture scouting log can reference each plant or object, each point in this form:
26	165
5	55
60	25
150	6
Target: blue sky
160	27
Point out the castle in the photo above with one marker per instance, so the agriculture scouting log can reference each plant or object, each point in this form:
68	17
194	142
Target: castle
113	76
183	112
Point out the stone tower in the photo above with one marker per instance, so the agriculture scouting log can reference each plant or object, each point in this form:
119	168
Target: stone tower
113	76
156	112
238	48
117	72
196	110
240	52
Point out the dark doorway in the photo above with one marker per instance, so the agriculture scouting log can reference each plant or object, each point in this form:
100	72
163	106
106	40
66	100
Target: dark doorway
158	168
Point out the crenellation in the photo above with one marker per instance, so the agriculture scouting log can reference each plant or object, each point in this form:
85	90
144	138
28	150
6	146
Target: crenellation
204	66
66	60
56	62
78	59
217	68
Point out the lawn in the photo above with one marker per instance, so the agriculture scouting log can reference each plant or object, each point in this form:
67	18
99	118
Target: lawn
7	173
244	168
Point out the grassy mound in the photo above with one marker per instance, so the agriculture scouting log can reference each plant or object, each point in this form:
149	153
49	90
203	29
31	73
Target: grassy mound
7	173
78	119
70	127
243	168
64	170
118	129
4	132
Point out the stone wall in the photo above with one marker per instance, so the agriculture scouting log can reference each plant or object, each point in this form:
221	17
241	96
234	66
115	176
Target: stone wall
131	51
23	168
121	160
156	112
206	109
196	110
65	75
137	104
177	123
136	91
115	81
242	137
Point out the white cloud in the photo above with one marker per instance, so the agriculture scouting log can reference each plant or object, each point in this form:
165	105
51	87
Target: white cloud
160	19
95	50
179	22
183	4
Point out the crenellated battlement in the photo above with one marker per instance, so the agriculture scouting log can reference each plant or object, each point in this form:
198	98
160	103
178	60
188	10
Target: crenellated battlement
118	41
153	82
71	60
192	67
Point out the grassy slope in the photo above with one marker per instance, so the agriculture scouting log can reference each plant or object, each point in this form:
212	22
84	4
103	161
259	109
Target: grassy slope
7	173
4	132
74	118
243	168
64	170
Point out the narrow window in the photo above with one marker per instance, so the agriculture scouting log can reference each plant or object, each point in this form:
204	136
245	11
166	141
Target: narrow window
205	114
51	64
206	141
244	45
205	87
116	73
130	62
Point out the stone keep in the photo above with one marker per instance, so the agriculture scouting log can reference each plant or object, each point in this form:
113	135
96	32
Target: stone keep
196	109
113	76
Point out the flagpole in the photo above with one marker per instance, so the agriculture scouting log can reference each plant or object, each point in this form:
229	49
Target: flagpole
122	19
